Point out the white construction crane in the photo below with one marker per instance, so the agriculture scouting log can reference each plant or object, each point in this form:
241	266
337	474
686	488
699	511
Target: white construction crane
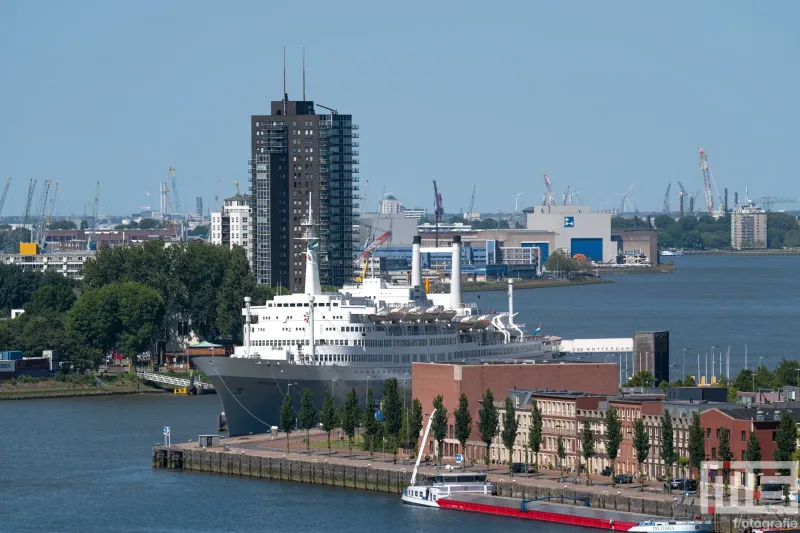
549	197
27	213
175	201
37	233
46	224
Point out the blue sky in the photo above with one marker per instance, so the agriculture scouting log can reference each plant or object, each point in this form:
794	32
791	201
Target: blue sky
599	95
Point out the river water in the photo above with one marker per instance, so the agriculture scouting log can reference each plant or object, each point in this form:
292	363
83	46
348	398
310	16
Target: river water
83	464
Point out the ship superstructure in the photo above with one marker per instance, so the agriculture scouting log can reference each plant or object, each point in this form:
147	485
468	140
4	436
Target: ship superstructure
355	338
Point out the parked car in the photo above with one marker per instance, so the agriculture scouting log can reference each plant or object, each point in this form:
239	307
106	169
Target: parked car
687	485
623	479
606	471
522	468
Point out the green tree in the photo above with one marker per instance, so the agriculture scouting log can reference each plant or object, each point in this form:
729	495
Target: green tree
509	434
415	423
351	417
535	432
641	443
488	421
439	426
307	415
753	455
561	452
683	462
56	297
786	441
697	448
62	225
328	417
642	379
392	411
587	444
613	438
123	316
668	455
463	422
237	282
725	454
370	427
287	418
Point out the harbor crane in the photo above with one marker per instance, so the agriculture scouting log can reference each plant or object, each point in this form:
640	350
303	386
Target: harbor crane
27	213
8	184
46	224
768	202
549	197
93	226
708	181
681	197
667	206
471	202
438	209
566	196
37	232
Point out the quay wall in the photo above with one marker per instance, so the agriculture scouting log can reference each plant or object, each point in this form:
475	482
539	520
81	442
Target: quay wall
390	480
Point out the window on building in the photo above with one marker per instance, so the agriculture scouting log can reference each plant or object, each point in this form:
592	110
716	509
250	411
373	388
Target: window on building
708	433
744	436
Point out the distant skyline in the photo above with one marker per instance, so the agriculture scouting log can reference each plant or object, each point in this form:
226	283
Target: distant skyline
599	96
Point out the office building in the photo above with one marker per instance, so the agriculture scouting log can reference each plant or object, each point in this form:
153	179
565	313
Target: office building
296	154
748	228
578	230
232	226
651	353
199	207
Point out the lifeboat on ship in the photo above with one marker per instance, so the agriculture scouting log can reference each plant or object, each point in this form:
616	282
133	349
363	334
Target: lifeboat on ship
431	313
396	314
447	314
466	323
414	314
483	322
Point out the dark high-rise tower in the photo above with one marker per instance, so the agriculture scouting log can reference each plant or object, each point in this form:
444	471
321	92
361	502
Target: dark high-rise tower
296	152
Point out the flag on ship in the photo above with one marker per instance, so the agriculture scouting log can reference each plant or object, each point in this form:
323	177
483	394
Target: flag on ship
538	330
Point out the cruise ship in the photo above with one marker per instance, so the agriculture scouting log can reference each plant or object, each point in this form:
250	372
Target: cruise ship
356	339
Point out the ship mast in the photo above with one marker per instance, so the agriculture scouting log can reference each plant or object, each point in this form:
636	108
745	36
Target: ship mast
422	448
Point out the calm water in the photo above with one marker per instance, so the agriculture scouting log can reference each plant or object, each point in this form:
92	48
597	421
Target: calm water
84	464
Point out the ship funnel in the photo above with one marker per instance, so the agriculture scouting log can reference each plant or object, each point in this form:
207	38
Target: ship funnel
416	262
455	278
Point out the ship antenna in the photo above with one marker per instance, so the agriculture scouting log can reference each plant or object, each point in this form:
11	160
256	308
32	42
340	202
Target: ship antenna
304	73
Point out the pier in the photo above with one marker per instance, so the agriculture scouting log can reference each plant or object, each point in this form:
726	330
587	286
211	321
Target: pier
260	457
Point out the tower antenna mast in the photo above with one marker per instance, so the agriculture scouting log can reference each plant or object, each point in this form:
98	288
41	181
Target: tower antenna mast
304	73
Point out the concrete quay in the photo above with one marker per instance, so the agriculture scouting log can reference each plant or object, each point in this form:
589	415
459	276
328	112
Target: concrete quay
261	457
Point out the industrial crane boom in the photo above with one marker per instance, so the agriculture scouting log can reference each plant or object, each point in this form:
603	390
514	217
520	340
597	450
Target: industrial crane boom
471	201
5	194
438	209
50	208
27	213
707	182
38	229
176	202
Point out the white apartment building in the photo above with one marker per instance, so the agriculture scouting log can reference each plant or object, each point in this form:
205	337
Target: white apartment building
232	226
748	228
391	205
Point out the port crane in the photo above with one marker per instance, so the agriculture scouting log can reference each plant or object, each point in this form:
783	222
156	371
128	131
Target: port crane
93	226
369	249
27	213
5	195
46	223
549	195
37	232
667	206
708	182
516	201
175	201
471	202
681	198
438	209
768	202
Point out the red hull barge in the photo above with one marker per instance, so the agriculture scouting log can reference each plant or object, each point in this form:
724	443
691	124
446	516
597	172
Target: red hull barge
545	512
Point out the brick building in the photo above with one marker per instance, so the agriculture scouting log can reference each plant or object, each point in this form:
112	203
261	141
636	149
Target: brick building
739	423
452	379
